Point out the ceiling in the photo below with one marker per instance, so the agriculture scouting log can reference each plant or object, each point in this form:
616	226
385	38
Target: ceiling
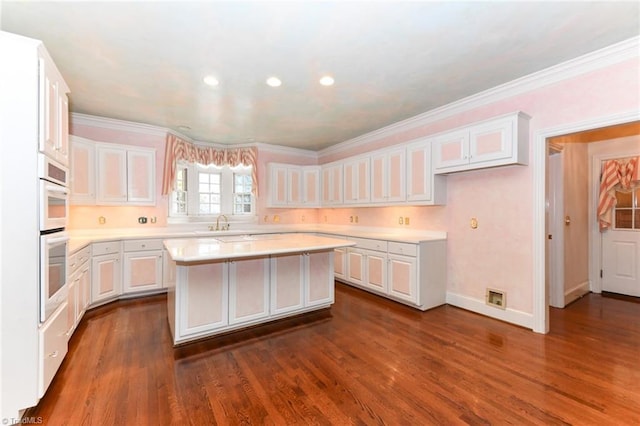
145	61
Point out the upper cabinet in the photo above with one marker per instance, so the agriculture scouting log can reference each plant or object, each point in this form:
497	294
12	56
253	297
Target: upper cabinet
357	181
331	184
293	186
497	142
388	176
53	126
423	187
110	174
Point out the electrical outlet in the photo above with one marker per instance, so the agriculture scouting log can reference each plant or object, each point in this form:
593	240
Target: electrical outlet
142	220
474	223
401	220
351	219
266	218
102	220
153	219
406	221
276	218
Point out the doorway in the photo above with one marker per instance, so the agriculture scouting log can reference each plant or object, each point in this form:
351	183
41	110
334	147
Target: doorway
577	253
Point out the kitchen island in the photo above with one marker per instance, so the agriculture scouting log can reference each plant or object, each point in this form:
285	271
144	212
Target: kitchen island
216	285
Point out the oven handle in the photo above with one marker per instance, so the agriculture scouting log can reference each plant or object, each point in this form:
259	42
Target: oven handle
56	188
53	240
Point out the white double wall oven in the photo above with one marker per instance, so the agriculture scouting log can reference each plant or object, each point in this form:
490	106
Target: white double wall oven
54	241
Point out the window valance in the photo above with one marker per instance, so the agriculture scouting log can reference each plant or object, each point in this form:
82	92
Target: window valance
179	150
616	174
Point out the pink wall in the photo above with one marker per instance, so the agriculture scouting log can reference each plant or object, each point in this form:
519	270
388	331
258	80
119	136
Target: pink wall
499	252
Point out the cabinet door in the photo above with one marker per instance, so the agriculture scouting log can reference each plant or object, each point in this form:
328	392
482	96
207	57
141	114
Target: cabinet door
48	101
278	188
311	182
403	277
450	150
83	169
340	263
294	180
202	297
357	181
142	271
63	128
141	174
248	290
376	271
388	177
73	302
491	141
332	184
320	279
84	290
419	178
112	175
106	280
355	266
286	283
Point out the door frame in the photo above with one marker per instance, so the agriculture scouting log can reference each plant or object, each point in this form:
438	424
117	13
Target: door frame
540	163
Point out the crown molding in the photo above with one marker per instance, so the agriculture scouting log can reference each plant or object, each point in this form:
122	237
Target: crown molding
121	125
615	53
285	150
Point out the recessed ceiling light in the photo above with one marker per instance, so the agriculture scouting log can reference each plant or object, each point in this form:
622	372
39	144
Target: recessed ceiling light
327	80
211	80
274	81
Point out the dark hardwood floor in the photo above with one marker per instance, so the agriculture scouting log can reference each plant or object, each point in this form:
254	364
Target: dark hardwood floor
365	361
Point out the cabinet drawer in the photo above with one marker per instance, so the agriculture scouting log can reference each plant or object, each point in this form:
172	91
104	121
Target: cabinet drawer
105	248
140	245
403	248
78	258
368	244
53	347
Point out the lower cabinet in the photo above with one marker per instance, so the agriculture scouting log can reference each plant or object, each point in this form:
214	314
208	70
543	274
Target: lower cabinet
142	266
79	291
410	273
53	347
248	290
210	298
106	272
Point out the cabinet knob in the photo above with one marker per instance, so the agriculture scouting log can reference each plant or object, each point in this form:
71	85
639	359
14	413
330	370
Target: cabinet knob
53	354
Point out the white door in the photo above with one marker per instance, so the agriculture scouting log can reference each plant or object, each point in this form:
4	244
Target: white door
621	247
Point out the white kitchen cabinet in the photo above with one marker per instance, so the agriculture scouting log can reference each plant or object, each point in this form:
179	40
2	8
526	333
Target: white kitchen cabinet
402	278
106	272
497	142
319	281
340	263
53	111
287	277
53	346
78	293
202	299
248	290
125	175
311	186
355	266
388	174
357	180
423	187
142	265
332	184
293	186
83	171
410	273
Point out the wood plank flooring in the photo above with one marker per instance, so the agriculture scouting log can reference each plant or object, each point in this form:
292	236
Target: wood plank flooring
366	361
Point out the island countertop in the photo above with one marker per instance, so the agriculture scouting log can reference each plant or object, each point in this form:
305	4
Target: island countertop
187	250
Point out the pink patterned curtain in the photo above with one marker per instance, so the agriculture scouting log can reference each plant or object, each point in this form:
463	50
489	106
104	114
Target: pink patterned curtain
616	174
179	150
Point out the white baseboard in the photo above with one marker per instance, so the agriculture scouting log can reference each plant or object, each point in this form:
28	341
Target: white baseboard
576	292
478	306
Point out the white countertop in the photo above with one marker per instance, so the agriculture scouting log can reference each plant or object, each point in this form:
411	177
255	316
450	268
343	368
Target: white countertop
81	238
238	246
